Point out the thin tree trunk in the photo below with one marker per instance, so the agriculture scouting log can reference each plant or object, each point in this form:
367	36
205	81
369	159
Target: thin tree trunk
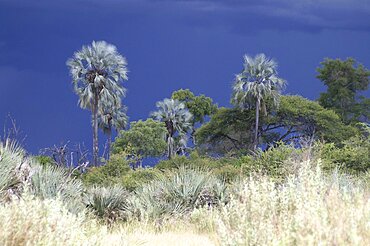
193	137
95	133
109	141
169	147
257	122
170	133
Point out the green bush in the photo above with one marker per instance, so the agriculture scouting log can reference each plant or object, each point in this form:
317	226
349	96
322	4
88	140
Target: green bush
271	161
225	168
353	156
44	160
174	163
108	174
136	178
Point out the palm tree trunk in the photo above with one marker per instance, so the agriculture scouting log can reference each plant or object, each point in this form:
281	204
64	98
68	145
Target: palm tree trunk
109	141
95	133
169	147
258	103
193	137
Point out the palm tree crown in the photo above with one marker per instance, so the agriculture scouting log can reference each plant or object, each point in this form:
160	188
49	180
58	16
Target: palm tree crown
112	117
257	82
97	71
177	120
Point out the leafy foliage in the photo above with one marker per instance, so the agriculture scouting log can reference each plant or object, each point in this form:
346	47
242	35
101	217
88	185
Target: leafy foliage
44	160
353	156
139	177
296	118
345	79
108	174
198	106
228	130
144	138
227	169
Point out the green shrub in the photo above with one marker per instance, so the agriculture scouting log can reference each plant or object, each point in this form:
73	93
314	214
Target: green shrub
272	161
225	168
353	156
136	178
174	163
108	174
227	172
44	160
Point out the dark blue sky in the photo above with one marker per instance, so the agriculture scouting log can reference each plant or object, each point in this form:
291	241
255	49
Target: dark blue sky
195	44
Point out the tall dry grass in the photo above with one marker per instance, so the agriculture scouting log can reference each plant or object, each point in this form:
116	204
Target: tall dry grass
309	208
30	221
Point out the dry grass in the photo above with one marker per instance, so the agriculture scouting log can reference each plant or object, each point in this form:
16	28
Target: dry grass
308	209
170	238
31	221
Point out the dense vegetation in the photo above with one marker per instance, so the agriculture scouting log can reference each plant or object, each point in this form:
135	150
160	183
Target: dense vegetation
272	169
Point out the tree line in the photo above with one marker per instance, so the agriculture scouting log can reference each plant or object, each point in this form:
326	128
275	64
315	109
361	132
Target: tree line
261	116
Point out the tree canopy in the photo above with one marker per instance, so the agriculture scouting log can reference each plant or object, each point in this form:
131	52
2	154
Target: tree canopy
296	118
344	81
144	138
199	106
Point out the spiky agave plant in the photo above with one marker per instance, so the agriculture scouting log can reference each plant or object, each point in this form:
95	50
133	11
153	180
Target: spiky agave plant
177	119
257	82
97	71
50	182
108	203
15	169
176	193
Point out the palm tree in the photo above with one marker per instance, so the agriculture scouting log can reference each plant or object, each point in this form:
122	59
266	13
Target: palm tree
97	71
177	119
257	82
112	115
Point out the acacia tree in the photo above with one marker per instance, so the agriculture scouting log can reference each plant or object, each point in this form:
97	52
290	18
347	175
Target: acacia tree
177	120
97	71
294	119
257	83
199	106
112	115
